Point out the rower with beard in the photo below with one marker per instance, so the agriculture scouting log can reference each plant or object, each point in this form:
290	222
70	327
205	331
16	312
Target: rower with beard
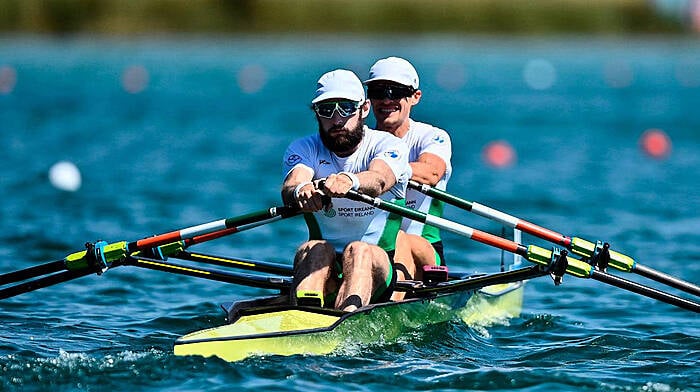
347	261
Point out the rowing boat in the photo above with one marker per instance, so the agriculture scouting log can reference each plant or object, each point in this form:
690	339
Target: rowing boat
269	326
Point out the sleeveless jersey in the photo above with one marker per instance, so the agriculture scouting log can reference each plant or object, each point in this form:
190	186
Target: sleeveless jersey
422	138
349	220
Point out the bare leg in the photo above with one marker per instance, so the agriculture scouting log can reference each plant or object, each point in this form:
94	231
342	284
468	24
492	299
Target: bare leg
403	262
412	253
312	267
423	254
365	268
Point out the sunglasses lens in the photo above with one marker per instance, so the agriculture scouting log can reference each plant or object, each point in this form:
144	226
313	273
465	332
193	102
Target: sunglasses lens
389	92
345	108
325	109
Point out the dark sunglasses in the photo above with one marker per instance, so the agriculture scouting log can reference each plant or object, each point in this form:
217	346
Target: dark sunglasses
344	108
383	91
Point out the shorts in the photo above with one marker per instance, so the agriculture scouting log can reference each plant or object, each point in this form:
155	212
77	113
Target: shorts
439	253
382	294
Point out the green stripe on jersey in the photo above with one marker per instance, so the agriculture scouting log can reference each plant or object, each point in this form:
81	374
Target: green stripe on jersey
430	233
391	228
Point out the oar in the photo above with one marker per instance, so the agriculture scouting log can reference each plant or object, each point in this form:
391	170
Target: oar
590	251
236	262
556	263
267	282
99	256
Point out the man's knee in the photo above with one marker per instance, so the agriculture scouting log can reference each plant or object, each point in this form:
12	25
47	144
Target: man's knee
315	249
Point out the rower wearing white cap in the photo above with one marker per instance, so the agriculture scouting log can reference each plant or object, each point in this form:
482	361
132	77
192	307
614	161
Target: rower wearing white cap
347	263
392	88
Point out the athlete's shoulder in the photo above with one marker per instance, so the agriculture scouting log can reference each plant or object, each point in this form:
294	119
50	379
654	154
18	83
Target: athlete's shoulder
303	149
426	133
425	128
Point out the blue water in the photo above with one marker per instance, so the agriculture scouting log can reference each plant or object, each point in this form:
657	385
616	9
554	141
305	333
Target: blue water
199	136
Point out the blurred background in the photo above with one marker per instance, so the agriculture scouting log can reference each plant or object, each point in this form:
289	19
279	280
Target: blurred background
350	16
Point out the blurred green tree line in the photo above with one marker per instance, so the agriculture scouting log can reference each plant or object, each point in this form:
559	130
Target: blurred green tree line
345	16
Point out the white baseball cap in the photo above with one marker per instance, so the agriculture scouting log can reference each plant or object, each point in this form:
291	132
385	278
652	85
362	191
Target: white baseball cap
341	84
394	69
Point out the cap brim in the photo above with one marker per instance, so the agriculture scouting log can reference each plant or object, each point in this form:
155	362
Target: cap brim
380	78
383	79
332	95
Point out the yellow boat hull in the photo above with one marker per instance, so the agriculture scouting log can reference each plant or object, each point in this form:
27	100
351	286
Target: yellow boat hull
275	329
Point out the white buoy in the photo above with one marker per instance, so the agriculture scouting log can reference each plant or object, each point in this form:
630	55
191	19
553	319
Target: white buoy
65	176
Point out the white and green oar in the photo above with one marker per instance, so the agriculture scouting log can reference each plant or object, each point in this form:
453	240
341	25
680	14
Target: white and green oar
100	256
555	261
598	253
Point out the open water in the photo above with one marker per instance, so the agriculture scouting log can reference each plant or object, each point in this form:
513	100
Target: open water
176	131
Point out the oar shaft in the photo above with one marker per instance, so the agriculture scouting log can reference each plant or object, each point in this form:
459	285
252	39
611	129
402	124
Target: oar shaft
31	272
267	282
99	256
441	223
490	213
666	279
532	253
247	264
46	281
207	229
646	291
579	246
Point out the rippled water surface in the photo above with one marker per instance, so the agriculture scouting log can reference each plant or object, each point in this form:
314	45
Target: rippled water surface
173	132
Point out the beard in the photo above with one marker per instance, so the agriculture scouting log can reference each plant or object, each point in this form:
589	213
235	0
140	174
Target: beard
345	141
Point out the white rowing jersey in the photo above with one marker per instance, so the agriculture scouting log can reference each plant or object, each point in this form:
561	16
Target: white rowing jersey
422	138
349	220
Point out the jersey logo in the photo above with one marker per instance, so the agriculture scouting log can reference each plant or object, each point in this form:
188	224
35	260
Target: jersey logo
293	159
323	162
329	212
439	139
391	154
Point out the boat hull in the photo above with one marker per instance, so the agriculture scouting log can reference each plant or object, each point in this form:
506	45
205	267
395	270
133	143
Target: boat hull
265	327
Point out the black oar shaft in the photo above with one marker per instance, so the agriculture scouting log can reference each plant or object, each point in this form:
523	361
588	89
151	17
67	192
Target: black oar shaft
233	262
32	272
42	282
440	195
266	282
646	291
666	279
